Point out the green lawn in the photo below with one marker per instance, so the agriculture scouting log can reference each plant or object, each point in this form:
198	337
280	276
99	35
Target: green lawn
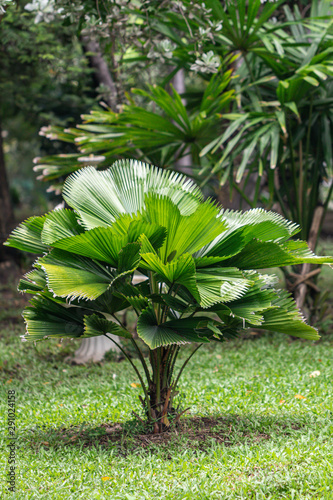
256	439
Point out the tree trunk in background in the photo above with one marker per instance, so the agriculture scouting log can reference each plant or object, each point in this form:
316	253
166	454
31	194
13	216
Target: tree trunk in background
101	70
301	291
6	210
183	164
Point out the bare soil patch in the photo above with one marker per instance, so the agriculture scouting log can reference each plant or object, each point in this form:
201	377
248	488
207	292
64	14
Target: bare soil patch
197	433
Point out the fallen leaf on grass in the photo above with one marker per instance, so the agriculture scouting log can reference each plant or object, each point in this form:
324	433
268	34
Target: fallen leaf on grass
218	356
299	396
106	478
314	374
133	384
282	401
9	381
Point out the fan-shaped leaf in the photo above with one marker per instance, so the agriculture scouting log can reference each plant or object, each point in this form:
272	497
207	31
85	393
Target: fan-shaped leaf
27	236
99	243
46	318
220	285
185	234
129	258
181	271
100	197
259	255
284	317
179	331
243	227
104	244
74	277
33	282
95	325
60	224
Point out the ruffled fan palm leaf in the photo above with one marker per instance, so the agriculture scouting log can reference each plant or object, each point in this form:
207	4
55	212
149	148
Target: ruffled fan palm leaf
198	264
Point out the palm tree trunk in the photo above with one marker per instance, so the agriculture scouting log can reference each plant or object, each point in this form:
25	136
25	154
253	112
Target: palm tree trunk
102	73
301	291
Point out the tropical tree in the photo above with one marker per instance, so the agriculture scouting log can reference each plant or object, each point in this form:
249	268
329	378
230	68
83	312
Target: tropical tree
199	266
269	142
162	135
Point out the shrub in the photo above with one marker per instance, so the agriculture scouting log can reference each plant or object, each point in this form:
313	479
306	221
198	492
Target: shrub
199	266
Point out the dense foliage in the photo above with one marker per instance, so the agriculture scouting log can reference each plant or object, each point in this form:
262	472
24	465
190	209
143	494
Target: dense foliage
199	267
262	112
251	119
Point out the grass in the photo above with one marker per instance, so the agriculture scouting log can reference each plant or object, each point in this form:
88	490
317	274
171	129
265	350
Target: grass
259	426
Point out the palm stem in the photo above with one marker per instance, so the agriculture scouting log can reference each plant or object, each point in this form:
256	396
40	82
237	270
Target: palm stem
158	375
136	371
184	364
243	195
173	361
142	359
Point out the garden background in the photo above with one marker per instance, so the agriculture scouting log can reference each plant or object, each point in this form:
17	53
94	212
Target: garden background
239	97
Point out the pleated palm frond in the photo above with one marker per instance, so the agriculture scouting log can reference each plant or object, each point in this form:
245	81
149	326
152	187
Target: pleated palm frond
199	264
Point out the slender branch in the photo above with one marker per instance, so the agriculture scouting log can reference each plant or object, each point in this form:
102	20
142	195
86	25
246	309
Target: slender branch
301	278
136	371
186	22
180	414
193	313
119	321
151	358
282	204
166	402
243	195
173	361
166	307
167	366
142	359
158	376
185	363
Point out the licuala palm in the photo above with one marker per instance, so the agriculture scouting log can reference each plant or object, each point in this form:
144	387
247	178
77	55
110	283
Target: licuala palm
198	264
